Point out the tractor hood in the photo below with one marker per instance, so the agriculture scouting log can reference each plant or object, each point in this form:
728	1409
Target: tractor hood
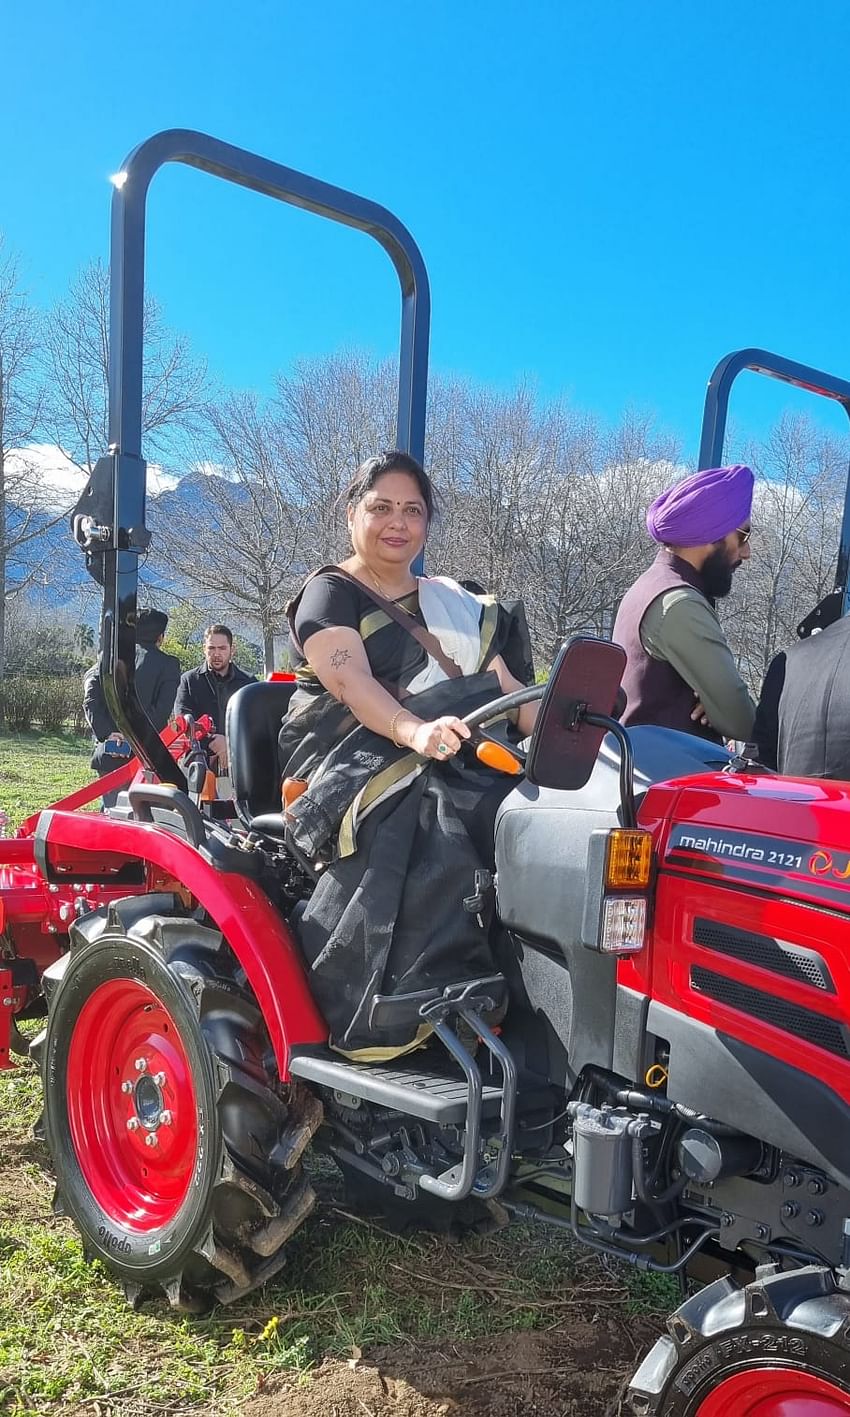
785	836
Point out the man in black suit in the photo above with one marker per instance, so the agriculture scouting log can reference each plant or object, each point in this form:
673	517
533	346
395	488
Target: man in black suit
802	722
157	678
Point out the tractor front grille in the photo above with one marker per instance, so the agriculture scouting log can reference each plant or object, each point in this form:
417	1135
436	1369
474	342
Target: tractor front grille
803	1023
792	961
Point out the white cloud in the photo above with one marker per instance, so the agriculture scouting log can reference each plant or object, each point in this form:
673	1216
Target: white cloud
54	482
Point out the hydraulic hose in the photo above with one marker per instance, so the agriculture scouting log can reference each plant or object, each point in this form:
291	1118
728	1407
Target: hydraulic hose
643	1262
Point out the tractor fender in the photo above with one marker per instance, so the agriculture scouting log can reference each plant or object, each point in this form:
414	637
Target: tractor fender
88	847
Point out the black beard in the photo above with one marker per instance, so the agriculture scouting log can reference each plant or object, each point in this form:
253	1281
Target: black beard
717	573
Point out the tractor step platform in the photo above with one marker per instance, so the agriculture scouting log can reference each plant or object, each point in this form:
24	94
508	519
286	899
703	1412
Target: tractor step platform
432	1095
455	1095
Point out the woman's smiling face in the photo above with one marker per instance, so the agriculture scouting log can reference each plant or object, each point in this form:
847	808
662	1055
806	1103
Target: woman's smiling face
389	525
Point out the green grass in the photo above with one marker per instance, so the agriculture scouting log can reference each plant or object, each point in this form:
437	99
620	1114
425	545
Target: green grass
69	1342
36	769
67	1335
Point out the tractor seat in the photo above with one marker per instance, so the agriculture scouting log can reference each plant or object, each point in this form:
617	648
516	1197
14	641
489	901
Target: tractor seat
251	728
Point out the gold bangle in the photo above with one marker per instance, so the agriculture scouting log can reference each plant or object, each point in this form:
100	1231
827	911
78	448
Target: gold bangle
393	721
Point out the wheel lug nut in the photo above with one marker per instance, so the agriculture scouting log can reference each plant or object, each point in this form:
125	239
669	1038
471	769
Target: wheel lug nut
141	1065
151	1139
126	1085
165	1118
133	1124
159	1079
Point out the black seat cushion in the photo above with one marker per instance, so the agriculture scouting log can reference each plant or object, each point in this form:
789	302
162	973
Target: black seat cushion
252	726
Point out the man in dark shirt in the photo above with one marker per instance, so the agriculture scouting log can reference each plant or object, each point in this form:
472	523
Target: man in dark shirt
208	689
157	677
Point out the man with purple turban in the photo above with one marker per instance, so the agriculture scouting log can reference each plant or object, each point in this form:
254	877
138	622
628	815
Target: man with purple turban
679	671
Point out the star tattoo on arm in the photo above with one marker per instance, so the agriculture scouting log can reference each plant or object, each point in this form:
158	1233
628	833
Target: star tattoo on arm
340	657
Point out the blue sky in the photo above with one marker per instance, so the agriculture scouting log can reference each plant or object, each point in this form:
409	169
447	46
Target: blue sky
609	196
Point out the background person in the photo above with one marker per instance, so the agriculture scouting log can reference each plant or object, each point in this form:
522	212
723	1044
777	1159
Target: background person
157	677
680	672
209	688
803	717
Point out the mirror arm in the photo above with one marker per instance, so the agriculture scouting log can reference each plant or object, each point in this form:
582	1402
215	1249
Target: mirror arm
627	765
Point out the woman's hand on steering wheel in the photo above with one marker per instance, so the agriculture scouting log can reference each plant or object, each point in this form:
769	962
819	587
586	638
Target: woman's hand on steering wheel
440	738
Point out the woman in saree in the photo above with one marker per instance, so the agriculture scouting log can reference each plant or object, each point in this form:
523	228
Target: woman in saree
387	665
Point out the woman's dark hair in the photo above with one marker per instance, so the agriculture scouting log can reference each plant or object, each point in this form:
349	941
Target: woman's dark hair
369	471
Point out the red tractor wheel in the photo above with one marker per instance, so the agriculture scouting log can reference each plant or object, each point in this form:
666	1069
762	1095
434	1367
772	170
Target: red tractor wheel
177	1152
779	1347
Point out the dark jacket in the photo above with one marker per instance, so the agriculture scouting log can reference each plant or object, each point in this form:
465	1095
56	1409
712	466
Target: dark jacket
157	677
809	708
200	691
766	726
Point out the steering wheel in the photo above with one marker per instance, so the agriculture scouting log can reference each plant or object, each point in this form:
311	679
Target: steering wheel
491	713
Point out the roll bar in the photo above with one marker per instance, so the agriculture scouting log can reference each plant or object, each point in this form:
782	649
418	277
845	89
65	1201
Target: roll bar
802	376
109	518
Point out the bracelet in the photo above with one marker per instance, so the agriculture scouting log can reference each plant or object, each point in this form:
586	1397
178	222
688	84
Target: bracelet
393	721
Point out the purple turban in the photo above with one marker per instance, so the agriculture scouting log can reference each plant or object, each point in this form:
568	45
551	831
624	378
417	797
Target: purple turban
703	508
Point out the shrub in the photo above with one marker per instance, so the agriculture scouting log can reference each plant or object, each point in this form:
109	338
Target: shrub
77	718
53	702
19	700
57	700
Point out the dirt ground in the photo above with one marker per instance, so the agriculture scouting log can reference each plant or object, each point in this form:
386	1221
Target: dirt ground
573	1367
572	1370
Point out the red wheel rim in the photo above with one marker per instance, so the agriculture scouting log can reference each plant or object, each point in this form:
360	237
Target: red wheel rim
775	1392
129	1079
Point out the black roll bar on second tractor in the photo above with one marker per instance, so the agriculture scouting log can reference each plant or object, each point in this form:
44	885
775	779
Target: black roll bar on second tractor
815	381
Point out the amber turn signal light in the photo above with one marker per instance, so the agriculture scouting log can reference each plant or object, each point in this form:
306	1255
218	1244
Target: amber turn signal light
493	755
629	862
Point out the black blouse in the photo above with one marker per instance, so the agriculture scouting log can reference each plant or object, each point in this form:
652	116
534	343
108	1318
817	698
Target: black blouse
329	600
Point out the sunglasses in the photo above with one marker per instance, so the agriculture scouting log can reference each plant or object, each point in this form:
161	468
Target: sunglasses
743	536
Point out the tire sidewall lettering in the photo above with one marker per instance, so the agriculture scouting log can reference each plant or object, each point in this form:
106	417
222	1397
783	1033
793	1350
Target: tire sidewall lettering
749	1343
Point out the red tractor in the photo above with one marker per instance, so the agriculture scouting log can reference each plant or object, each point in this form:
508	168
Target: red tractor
670	1084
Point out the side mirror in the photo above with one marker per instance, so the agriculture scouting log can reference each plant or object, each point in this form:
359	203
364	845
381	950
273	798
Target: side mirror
584	686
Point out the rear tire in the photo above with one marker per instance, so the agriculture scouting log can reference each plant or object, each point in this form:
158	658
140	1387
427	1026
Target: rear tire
177	1151
780	1344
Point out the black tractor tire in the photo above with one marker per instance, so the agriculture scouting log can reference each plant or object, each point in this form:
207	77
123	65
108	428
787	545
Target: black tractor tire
203	1212
785	1336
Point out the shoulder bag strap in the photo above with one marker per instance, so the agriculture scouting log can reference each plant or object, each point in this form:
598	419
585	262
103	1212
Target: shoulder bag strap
429	642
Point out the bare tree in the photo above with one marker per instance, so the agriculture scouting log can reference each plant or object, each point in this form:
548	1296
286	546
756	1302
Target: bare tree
538	500
238	542
801	474
22	519
329	415
76	341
